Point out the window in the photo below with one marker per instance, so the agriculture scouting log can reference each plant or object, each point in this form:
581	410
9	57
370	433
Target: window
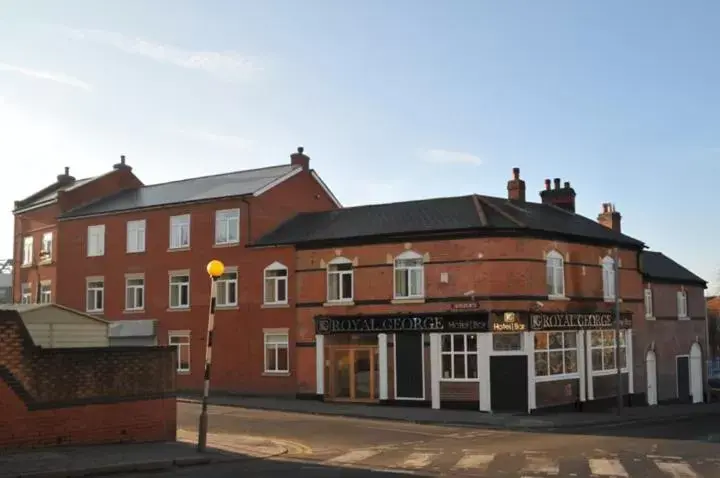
227	226
340	280
511	342
608	278
95	295
459	356
555	354
276	284
27	251
602	344
47	246
409	272
96	241
179	291
134	293
26	293
276	352
45	293
181	342
555	274
648	302
682	304
226	289
180	231
136	236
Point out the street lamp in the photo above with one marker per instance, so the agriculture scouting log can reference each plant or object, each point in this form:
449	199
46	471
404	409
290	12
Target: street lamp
215	269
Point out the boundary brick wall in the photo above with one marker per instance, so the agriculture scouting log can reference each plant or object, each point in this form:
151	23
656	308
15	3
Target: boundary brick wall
75	396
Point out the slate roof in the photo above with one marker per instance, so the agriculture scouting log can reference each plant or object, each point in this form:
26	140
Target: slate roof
239	183
473	213
49	194
656	265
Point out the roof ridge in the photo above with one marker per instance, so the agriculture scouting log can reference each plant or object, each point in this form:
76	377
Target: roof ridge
480	211
502	213
215	175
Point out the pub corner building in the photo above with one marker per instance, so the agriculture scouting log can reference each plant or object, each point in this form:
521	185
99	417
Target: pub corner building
472	302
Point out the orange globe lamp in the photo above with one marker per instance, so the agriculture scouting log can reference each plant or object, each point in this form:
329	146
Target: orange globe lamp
215	268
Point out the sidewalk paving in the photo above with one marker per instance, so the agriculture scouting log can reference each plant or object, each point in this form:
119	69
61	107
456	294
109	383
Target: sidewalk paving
545	422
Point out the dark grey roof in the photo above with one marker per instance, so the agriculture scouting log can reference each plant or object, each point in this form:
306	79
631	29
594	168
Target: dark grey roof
440	215
656	265
239	183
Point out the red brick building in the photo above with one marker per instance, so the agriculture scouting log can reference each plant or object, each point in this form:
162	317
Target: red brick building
486	302
117	248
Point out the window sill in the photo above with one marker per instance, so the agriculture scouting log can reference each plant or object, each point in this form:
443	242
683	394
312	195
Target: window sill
227	307
555	378
339	303
279	305
558	297
183	372
178	309
408	300
46	262
94	312
178	249
649	317
604	373
135	252
134	311
26	266
276	374
225	245
684	317
95	255
459	380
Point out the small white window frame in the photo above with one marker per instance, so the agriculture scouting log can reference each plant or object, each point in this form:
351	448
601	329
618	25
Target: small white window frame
28	246
135	288
229	282
136	231
608	278
409	270
96	240
555	268
227	221
91	285
178	353
648	301
46	247
332	271
276	282
276	346
177	224
682	305
45	292
26	294
179	285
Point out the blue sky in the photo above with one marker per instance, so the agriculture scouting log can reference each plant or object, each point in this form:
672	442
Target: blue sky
392	100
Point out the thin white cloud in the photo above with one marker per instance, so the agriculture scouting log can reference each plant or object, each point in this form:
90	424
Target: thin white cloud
46	75
235	142
225	65
441	156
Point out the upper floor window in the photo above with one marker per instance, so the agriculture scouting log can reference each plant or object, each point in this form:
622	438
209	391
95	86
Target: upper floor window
27	257
96	240
45	292
226	288
180	231
682	305
179	290
135	292
181	341
555	274
648	302
227	226
26	293
47	246
136	236
276	284
340	280
409	276
95	294
608	278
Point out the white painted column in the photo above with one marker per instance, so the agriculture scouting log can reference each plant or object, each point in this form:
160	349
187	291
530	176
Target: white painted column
529	346
582	370
485	346
435	370
589	367
629	360
383	365
320	364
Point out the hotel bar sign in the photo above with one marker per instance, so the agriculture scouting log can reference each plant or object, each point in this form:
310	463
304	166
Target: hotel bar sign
578	321
434	323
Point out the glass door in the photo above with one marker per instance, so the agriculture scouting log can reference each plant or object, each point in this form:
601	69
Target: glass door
342	374
353	374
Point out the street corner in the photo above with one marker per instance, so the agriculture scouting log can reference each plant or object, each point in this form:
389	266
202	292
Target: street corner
247	445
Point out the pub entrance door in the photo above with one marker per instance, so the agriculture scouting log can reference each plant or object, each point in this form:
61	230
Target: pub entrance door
354	373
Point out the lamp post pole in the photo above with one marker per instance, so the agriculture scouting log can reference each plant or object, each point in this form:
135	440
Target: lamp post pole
616	278
215	269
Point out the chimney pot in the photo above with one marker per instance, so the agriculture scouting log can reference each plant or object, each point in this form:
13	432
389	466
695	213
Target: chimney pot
122	159
67	170
300	149
557	183
566	185
547	185
300	159
516	173
516	187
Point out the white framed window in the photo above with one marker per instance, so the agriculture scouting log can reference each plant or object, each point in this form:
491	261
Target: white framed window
136	236
507	342
26	293
555	274
181	342
682	305
226	288
47	246
134	292
459	356
45	293
409	276
277	356
340	280
602	345
556	355
180	231
276	284
648	301
608	278
227	226
96	240
179	290
95	297
27	251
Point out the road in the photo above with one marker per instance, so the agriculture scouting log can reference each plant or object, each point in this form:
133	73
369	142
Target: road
335	446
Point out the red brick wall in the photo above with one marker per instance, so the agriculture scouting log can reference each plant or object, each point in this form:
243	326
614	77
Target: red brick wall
109	183
82	396
34	223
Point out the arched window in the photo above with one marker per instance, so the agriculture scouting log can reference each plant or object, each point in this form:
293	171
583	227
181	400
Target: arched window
409	276
555	274
608	277
682	304
340	280
276	284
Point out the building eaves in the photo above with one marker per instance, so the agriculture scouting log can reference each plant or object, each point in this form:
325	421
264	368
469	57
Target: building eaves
656	266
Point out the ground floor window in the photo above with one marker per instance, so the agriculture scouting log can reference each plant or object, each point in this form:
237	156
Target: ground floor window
555	354
602	343
511	342
459	356
276	352
181	342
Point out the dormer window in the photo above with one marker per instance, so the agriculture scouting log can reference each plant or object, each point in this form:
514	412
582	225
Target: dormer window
409	276
555	274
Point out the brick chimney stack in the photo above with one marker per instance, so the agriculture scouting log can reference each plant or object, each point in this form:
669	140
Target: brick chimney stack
563	197
516	187
300	159
609	217
121	164
65	178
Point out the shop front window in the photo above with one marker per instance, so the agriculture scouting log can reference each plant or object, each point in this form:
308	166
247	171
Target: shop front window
602	343
459	356
555	354
507	342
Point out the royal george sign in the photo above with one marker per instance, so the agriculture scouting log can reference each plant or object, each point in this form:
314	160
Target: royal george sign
434	323
577	321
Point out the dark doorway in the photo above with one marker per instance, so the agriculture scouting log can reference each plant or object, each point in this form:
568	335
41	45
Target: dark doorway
409	356
508	383
683	379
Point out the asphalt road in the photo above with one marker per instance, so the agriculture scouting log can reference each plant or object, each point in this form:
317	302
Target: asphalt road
345	447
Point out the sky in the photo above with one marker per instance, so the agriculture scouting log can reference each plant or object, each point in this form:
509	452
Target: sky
392	100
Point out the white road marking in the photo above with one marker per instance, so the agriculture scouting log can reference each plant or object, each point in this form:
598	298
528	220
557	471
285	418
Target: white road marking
418	460
540	464
676	470
474	462
664	457
352	457
603	467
